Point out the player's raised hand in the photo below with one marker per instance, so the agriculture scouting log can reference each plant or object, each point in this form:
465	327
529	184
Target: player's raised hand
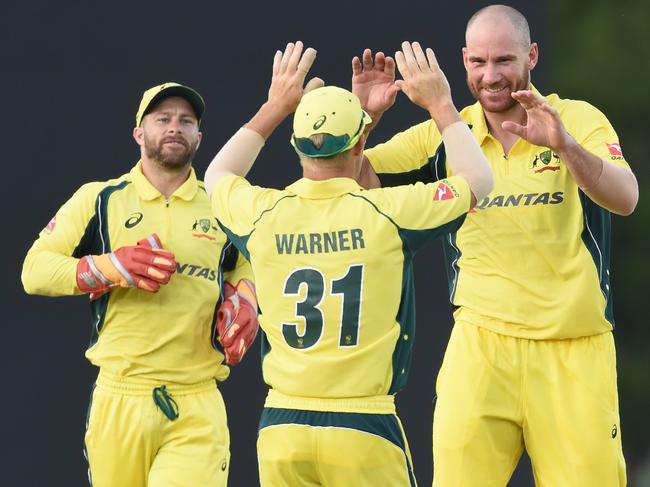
373	81
543	125
425	84
290	69
423	81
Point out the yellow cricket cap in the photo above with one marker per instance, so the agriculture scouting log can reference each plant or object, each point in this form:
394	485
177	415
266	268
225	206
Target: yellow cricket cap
153	95
332	111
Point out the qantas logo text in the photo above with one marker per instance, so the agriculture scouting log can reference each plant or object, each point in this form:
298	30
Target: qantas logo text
524	199
196	271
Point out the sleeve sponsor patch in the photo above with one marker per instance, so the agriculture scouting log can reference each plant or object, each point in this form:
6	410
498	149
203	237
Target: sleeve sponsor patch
49	228
444	191
615	149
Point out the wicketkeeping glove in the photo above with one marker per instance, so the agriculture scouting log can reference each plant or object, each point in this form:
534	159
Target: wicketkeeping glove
237	322
145	266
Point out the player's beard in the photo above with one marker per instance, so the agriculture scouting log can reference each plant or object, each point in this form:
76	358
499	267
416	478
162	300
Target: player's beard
167	159
522	83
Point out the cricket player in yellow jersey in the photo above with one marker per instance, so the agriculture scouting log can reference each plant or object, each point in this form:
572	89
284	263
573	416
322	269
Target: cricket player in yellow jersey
156	416
334	273
531	361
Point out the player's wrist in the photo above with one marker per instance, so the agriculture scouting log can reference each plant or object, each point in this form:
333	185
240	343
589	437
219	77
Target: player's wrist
443	114
566	147
270	115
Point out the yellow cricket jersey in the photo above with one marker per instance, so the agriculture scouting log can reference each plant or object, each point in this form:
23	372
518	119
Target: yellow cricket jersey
332	264
168	335
532	259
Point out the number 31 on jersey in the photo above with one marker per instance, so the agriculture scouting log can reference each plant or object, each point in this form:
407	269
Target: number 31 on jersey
349	286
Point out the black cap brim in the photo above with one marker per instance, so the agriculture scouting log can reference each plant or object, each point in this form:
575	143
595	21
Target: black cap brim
192	97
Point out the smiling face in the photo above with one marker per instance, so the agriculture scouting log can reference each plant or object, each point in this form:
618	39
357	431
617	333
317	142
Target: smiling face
498	60
169	133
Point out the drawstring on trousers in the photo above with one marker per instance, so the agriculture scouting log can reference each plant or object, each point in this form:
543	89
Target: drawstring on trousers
165	402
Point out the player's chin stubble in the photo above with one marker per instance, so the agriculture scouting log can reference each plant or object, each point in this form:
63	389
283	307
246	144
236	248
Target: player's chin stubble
522	84
169	161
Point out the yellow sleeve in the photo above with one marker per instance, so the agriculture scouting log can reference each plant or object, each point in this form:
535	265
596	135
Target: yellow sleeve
237	205
232	204
50	266
406	151
595	134
424	211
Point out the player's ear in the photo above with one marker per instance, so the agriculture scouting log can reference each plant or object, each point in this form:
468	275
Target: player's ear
138	135
198	140
533	56
465	62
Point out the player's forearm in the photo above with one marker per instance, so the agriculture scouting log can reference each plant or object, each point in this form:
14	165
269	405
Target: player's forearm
610	186
240	152
466	159
235	157
268	118
47	273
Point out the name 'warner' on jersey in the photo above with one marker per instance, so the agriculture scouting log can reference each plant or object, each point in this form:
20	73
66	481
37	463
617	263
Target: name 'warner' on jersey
332	264
161	336
537	241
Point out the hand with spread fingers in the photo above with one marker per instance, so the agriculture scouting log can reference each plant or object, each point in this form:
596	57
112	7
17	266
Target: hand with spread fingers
374	82
543	127
290	69
425	84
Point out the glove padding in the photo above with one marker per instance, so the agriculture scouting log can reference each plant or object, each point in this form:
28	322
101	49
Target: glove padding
237	322
145	265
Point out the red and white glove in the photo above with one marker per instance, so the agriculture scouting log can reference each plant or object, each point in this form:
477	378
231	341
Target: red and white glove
237	322
145	265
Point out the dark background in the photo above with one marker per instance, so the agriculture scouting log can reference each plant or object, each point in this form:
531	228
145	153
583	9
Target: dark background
72	77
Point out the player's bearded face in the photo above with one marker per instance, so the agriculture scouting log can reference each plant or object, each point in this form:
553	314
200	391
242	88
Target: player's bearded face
170	150
498	62
171	133
495	94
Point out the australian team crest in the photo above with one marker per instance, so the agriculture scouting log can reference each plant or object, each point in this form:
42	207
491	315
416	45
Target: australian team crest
546	161
201	227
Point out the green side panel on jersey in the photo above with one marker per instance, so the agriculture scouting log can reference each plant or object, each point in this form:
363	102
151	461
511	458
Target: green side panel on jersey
429	172
406	319
265	348
596	237
452	254
96	241
413	240
239	241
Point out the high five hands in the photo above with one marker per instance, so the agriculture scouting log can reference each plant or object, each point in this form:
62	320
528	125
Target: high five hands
290	69
374	82
422	81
